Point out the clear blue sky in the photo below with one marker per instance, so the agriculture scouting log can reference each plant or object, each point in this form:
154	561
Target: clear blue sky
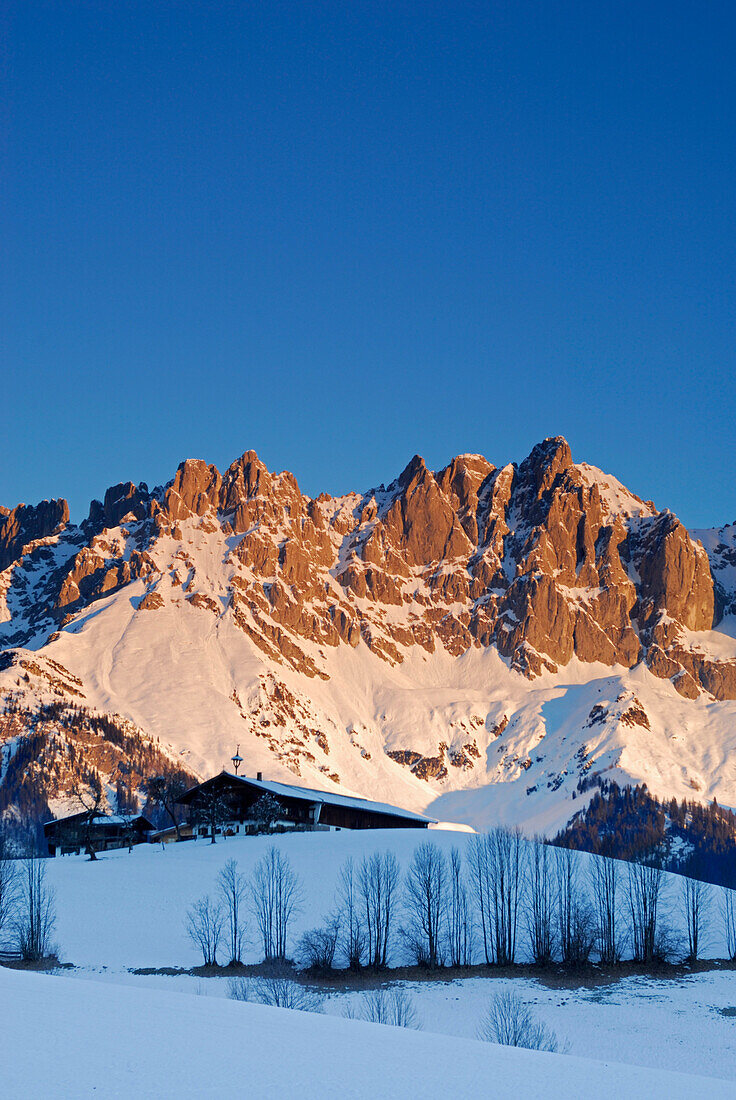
343	232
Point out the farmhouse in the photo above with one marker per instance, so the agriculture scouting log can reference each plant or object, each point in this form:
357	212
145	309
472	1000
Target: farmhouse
234	803
105	831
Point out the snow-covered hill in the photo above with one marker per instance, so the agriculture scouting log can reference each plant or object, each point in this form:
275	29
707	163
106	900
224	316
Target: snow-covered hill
114	1042
477	643
127	911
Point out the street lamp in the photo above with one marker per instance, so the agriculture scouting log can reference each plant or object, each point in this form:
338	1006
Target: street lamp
237	759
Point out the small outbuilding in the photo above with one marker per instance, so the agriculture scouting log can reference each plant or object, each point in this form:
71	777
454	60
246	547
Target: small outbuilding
67	835
239	801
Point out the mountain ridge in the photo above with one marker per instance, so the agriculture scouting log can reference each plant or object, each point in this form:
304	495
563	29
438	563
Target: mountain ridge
534	575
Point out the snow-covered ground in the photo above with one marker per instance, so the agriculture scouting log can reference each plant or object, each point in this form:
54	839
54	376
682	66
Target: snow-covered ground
74	1039
674	1024
127	910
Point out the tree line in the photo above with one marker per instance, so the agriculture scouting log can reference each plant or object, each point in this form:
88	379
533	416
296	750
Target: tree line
505	900
627	822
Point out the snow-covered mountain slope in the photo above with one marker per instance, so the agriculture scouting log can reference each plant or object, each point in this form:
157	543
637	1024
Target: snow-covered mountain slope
479	643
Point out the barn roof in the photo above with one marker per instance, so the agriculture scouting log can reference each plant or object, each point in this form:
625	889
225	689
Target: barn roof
310	794
100	819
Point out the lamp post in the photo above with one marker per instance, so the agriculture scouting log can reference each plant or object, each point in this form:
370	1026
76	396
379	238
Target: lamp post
237	759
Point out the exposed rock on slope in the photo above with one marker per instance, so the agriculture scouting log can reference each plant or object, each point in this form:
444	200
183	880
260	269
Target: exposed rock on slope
544	563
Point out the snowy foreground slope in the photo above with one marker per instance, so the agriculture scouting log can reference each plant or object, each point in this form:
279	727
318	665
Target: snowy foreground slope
72	1038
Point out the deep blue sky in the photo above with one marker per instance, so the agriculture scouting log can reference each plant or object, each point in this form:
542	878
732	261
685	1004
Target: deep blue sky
342	232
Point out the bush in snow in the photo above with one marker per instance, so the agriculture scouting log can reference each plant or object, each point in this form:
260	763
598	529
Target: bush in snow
317	948
393	1007
509	1022
276	991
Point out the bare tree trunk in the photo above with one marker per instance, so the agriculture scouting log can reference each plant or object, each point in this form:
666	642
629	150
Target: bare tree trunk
378	878
540	900
347	910
275	898
481	880
645	888
9	887
506	883
605	877
234	890
460	933
36	911
695	901
425	901
728	913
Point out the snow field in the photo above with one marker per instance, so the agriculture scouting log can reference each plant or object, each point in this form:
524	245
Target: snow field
77	1039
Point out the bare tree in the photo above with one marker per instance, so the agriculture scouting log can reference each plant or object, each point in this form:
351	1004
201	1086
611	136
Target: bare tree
728	915
496	872
35	912
91	798
204	924
348	910
695	901
393	1007
605	877
481	877
510	1022
378	878
575	918
540	903
234	891
645	883
165	791
275	898
425	902
9	886
459	919
507	875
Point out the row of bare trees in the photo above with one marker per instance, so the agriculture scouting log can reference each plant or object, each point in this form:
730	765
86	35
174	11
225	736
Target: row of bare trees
272	896
452	911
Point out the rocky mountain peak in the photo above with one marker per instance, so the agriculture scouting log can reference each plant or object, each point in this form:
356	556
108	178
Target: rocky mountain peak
529	560
26	523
